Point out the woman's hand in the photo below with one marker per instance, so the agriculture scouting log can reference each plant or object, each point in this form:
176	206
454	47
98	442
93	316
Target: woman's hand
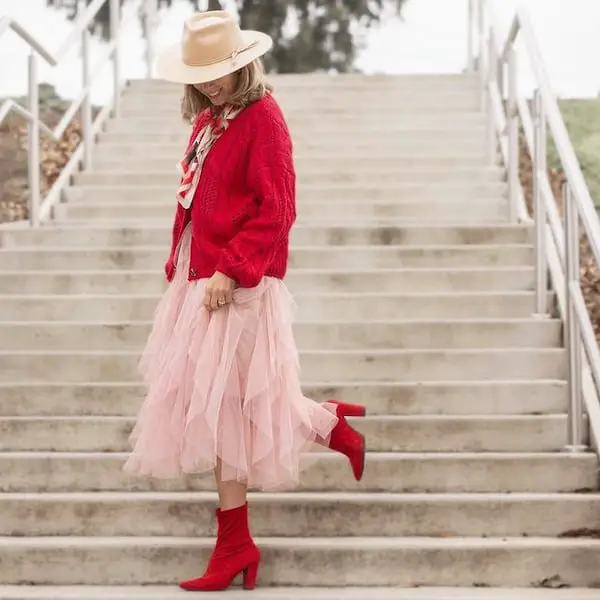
218	291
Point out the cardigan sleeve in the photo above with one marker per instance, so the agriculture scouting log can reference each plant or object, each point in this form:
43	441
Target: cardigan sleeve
272	179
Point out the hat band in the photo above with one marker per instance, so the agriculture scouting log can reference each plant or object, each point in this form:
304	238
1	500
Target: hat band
231	56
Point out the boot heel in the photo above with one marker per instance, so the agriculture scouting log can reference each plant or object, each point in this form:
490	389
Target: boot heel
249	576
349	410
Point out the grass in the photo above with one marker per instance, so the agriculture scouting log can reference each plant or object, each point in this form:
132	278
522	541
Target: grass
582	118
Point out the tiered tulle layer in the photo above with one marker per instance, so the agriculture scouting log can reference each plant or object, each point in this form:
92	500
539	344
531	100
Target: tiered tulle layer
225	385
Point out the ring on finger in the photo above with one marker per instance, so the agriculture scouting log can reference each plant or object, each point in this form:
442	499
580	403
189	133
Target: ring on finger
221	302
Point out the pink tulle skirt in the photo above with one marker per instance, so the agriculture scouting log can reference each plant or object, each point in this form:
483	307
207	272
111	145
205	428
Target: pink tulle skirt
225	385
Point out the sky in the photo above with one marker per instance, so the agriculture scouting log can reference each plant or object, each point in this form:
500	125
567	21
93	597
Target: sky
431	38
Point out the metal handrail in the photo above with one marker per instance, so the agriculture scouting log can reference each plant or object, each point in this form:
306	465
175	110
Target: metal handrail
38	210
556	247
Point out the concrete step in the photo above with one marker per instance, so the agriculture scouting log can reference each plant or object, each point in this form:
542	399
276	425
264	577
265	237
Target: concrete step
397	281
332	139
327	98
96	236
330	106
384	93
152	592
385	472
402	562
329	103
401	174
326	257
325	154
325	102
337	83
339	164
445	220
325	307
341	194
417	131
307	212
381	93
317	365
416	121
398	148
499	333
493	397
420	433
300	514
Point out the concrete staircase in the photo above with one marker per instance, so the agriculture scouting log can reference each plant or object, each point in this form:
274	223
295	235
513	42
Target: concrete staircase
414	297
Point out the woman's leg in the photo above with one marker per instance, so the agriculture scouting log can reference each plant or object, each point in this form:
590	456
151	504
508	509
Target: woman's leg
231	493
235	551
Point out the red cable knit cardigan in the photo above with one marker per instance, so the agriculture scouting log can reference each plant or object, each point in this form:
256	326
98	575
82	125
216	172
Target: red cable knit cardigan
245	203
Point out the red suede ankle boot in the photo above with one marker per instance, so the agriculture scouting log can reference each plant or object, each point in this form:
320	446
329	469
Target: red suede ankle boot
347	440
234	553
348	410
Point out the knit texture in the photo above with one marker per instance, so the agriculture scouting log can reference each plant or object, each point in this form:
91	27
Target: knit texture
245	202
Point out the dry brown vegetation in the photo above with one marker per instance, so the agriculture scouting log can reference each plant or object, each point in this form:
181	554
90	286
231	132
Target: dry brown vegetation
589	269
54	155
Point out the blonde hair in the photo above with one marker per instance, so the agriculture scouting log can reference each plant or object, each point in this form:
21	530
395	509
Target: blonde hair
251	85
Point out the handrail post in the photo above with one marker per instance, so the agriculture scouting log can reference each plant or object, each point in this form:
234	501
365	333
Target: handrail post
500	73
149	21
513	137
33	141
86	108
470	45
539	170
481	41
115	22
492	76
572	330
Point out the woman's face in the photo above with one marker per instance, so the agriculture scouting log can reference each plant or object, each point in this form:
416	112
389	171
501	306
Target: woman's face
218	91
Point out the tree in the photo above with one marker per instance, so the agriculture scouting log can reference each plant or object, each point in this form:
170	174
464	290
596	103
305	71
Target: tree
328	32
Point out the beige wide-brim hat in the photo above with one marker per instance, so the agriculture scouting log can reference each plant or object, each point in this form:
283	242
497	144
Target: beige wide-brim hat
212	46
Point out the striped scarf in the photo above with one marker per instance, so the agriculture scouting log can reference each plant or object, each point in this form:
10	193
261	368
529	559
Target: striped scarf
190	167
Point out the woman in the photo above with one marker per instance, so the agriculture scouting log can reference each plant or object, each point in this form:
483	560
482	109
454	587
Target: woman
221	363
